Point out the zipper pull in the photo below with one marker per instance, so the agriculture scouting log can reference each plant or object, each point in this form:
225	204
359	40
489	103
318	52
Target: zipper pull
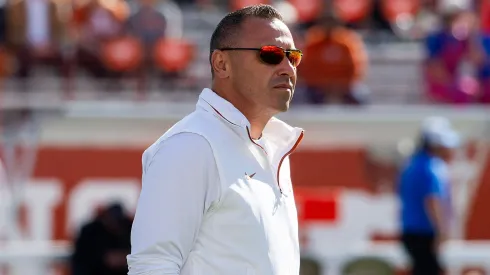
282	193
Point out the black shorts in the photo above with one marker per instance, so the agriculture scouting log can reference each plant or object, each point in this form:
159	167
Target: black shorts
421	249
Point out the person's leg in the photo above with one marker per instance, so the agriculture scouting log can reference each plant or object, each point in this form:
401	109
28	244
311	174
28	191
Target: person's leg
409	244
421	253
430	261
424	255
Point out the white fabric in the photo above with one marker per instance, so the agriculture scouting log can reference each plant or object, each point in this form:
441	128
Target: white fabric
37	22
211	202
172	203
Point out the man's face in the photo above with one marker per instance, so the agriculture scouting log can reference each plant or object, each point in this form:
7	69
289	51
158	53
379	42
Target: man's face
269	88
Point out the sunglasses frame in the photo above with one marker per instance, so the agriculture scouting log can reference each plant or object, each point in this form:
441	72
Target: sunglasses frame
285	51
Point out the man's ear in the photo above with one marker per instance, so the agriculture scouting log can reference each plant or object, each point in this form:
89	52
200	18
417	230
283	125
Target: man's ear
220	64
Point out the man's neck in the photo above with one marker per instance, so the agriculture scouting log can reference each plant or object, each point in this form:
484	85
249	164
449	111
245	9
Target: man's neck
257	118
257	126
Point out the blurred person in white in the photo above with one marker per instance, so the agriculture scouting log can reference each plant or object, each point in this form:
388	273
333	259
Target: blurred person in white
216	192
425	196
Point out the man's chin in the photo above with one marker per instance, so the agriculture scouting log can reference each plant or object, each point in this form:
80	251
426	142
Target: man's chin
283	107
285	102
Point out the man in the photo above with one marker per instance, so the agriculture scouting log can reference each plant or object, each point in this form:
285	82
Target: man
217	195
424	193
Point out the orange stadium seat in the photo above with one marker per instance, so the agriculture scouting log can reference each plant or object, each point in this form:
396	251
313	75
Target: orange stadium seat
173	55
393	8
122	54
352	10
308	10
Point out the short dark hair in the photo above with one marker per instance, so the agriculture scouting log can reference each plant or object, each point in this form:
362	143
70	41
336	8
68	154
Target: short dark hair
228	28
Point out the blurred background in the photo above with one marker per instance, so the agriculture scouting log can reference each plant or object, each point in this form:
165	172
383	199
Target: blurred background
87	85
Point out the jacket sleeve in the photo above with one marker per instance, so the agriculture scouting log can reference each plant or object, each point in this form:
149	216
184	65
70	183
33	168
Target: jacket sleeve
180	182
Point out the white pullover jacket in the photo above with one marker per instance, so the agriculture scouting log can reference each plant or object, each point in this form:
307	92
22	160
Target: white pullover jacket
214	201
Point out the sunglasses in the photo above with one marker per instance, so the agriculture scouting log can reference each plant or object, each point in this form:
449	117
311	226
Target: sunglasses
273	55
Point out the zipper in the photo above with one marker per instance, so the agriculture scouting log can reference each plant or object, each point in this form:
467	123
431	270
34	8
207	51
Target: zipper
251	139
263	149
298	141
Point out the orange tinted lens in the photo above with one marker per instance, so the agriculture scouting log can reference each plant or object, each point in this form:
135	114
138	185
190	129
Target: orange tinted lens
272	55
294	57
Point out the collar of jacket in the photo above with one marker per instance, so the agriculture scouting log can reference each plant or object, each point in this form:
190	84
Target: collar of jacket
284	137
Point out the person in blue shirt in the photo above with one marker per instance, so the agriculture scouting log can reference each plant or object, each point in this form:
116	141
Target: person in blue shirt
424	194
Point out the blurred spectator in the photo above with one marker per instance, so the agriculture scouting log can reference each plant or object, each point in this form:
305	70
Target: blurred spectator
448	69
334	63
149	25
96	23
35	33
159	25
103	244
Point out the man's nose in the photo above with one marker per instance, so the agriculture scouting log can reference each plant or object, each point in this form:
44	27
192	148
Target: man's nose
286	68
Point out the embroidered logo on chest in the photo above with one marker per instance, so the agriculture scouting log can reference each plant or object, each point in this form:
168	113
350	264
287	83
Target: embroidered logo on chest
248	177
